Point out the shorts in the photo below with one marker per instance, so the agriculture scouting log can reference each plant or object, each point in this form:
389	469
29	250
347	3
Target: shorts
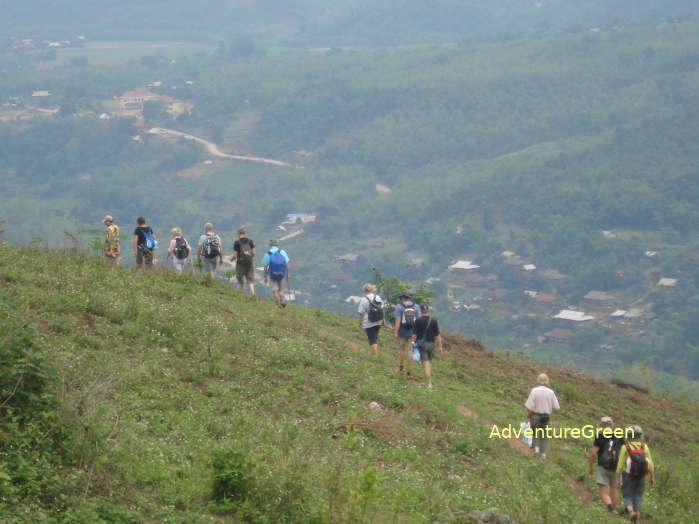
178	263
372	333
244	272
426	352
210	264
404	332
142	257
605	477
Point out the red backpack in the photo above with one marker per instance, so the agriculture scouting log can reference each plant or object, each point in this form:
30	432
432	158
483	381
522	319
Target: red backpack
637	462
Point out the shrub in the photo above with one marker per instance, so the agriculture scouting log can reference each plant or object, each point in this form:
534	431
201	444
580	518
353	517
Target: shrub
232	474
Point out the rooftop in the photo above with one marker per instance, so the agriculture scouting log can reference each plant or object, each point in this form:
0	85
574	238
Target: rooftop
575	316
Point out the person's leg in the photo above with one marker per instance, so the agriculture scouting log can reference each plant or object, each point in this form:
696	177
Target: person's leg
250	277
639	488
401	354
613	492
117	260
427	370
149	260
604	483
139	259
408	357
626	492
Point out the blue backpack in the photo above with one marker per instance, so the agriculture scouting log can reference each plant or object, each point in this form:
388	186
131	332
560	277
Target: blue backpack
151	243
277	265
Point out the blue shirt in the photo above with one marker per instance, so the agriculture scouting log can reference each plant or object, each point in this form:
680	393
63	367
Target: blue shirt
274	249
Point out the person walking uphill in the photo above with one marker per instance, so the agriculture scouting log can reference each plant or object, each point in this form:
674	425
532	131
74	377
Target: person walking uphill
244	255
370	311
635	463
144	244
112	242
605	451
179	250
542	402
427	337
404	316
276	263
209	250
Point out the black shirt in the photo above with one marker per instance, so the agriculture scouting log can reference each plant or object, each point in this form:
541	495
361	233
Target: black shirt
140	232
237	247
421	325
601	442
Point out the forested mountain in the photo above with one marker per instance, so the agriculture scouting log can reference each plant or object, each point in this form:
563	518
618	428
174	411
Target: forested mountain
343	22
535	146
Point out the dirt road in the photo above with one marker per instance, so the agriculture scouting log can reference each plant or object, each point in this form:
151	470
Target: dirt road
215	151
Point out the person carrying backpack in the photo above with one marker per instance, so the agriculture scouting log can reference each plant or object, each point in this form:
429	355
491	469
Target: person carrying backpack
276	263
540	404
427	337
605	451
112	242
178	250
210	250
370	311
404	316
244	255
635	463
144	244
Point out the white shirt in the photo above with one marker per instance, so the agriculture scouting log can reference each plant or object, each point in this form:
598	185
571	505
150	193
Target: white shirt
542	399
364	309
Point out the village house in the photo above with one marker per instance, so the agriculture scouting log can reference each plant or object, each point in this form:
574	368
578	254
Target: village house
598	296
667	282
552	274
136	98
463	265
545	298
348	257
573	316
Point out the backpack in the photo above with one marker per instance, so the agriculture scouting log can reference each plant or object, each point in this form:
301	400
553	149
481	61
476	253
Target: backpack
212	246
150	242
277	265
422	341
637	463
245	252
609	455
375	312
409	315
181	248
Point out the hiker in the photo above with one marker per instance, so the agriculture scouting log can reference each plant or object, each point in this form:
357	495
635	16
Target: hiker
634	464
370	311
541	403
144	243
178	250
427	337
276	263
244	255
404	316
112	242
209	250
605	450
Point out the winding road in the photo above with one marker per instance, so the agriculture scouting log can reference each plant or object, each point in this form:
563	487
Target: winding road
214	150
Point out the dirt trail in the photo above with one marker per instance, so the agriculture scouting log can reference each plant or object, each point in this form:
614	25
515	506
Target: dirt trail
576	485
215	151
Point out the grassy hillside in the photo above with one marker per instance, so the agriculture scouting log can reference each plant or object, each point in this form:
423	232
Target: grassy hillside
150	394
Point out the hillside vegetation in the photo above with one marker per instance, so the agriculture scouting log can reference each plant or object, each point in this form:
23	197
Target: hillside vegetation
303	22
136	397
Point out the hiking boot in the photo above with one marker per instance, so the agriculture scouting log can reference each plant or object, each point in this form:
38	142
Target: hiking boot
634	517
400	369
429	387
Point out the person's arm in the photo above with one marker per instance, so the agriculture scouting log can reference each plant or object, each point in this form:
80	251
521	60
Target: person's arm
171	247
556	405
220	253
591	459
651	466
529	404
200	249
234	255
622	463
438	344
135	245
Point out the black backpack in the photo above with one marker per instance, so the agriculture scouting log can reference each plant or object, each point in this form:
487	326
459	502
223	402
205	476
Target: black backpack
409	315
181	248
609	455
245	252
638	462
375	313
212	246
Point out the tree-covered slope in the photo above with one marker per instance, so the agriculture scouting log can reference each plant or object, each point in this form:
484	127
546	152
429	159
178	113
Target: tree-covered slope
146	397
348	22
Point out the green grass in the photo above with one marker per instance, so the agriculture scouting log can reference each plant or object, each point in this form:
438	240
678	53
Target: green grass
186	401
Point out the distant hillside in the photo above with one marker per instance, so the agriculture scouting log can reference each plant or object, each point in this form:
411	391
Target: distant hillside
135	397
344	22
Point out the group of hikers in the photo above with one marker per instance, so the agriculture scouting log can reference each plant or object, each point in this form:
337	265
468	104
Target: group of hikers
209	254
622	461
